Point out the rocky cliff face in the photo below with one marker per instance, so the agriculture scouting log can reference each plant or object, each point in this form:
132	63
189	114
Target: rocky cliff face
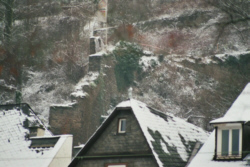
195	62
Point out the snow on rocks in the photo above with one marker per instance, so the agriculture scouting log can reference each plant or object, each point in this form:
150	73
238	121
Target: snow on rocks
148	62
69	104
237	55
86	81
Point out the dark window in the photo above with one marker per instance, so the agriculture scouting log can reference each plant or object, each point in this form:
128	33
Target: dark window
235	141
122	126
225	142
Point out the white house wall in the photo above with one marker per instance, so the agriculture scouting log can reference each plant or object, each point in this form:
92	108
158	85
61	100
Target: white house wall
64	152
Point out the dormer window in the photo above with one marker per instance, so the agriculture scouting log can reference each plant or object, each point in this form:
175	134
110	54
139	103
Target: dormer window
229	141
122	125
230	138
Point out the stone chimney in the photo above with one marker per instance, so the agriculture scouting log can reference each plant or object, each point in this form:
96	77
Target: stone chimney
36	131
92	49
95	45
95	58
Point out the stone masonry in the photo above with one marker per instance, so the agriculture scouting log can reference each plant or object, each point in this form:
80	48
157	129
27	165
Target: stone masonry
83	118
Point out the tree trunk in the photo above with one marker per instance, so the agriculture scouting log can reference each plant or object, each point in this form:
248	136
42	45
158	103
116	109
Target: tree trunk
8	19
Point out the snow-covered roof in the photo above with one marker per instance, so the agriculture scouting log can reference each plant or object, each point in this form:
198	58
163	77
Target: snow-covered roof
15	145
205	156
240	109
171	139
238	112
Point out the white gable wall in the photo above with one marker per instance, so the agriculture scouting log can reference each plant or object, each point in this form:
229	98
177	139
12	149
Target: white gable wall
40	132
63	155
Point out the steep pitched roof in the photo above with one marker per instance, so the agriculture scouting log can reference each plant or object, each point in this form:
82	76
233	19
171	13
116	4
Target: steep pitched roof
205	156
238	112
15	147
171	139
240	109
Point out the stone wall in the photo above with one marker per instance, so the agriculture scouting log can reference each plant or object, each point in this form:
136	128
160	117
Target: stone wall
92	49
83	118
95	62
65	120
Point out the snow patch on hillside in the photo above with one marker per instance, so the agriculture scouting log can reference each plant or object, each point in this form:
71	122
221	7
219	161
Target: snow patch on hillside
235	54
148	62
70	104
88	80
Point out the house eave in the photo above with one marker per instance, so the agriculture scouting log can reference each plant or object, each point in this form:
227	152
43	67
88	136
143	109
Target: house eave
228	159
126	155
226	122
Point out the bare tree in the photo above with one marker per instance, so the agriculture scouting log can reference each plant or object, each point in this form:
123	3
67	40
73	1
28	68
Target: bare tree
8	18
238	11
128	12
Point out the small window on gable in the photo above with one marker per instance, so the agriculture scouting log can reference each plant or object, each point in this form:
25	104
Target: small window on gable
122	126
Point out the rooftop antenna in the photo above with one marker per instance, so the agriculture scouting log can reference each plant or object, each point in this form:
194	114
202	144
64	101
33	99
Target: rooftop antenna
130	93
106	24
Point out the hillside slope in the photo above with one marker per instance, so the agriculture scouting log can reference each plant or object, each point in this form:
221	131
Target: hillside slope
195	61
